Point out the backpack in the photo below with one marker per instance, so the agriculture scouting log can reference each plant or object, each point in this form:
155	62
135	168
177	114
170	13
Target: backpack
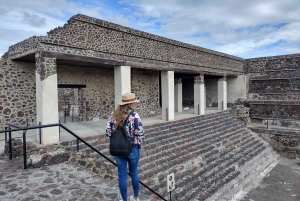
120	143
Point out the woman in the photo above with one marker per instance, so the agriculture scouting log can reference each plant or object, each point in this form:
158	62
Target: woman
136	133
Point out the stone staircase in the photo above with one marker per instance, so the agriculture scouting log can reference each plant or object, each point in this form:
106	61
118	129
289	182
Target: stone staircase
206	153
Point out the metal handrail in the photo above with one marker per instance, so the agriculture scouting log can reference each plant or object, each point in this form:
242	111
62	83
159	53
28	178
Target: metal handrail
262	118
18	128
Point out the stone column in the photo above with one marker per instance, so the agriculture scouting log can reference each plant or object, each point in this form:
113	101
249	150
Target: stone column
222	94
204	96
167	91
47	98
178	95
236	88
199	97
122	76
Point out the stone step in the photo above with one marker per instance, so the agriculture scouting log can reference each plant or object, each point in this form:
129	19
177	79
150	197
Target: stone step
213	116
184	181
188	147
210	119
153	145
103	148
170	132
165	166
188	132
214	174
252	172
224	147
94	141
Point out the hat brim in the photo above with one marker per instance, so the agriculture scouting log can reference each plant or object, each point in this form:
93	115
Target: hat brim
124	103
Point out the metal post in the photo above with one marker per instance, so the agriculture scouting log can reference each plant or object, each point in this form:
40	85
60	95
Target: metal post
167	115
198	109
267	124
72	114
10	145
5	138
59	129
170	196
24	149
222	106
65	116
40	131
77	145
26	121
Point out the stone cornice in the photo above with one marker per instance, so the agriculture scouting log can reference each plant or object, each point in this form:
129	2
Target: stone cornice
273	57
121	28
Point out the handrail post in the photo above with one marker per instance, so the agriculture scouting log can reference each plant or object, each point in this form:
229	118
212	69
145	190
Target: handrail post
167	115
77	144
72	114
5	138
24	149
10	145
40	132
65	116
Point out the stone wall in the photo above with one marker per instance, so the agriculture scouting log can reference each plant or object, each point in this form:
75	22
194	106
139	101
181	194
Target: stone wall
28	46
17	93
274	87
211	92
97	99
284	142
145	84
87	36
18	98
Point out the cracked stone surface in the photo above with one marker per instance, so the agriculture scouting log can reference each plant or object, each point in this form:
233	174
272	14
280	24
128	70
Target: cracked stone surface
63	181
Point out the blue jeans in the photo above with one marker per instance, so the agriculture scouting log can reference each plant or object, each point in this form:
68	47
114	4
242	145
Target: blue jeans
132	159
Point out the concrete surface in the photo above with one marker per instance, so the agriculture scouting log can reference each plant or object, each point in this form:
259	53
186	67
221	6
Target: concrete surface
281	184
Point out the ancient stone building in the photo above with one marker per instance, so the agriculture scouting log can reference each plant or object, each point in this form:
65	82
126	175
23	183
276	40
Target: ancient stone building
98	61
274	87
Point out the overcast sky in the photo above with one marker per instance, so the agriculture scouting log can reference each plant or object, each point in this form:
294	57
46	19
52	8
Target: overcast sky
242	28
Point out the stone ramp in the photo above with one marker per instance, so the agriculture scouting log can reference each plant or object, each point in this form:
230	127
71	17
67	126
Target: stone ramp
251	175
205	153
60	182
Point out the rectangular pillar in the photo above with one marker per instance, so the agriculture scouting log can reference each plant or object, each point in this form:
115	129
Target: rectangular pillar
167	91
122	80
222	94
204	97
178	95
237	88
199	97
47	98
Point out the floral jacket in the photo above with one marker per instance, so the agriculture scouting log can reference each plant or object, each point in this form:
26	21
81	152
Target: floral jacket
133	126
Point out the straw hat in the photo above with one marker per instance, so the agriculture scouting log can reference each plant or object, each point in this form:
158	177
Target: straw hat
128	98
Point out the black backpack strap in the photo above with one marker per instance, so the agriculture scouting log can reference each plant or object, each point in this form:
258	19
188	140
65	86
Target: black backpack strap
126	119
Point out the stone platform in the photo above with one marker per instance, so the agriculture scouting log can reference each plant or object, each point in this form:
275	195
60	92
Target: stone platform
61	182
